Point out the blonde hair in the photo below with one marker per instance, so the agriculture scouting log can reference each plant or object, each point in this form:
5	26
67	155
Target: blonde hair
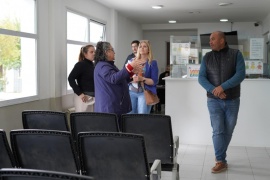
150	54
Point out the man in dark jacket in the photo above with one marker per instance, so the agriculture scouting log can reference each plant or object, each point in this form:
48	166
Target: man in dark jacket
221	72
134	47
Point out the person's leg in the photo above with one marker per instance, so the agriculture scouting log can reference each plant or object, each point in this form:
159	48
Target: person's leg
217	118
232	109
134	102
143	108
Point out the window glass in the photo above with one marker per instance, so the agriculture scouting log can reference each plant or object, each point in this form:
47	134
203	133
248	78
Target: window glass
17	67
96	32
77	27
18	41
18	15
86	31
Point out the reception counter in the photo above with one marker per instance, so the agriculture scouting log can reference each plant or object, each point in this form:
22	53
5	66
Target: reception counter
187	106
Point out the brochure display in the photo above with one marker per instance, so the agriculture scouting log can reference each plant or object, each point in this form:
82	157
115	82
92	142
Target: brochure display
182	57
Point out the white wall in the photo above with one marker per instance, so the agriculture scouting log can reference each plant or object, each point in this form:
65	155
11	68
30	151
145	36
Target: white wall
127	32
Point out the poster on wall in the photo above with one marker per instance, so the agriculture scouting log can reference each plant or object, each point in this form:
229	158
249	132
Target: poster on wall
254	67
256	48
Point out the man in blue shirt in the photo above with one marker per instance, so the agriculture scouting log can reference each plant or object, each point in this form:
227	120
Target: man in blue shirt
221	72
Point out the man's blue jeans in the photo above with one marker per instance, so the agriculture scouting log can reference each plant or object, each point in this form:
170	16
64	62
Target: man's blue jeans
139	105
223	116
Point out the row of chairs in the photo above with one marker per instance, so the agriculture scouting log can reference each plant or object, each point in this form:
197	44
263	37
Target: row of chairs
103	155
31	174
156	130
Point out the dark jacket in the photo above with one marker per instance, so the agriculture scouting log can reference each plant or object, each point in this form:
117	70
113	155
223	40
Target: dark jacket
129	58
81	77
111	88
226	68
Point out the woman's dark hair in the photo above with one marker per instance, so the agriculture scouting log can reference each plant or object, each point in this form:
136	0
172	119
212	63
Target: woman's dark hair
101	49
83	51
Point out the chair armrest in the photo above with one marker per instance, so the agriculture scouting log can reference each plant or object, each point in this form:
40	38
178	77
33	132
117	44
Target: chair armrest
155	171
175	147
176	142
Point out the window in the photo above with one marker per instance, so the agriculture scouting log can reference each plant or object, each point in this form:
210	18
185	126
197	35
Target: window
86	31
18	39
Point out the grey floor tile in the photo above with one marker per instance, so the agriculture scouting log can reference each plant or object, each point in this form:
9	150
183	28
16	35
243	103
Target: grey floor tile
190	171
244	163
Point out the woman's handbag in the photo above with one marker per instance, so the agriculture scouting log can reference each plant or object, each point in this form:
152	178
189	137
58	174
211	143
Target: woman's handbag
150	98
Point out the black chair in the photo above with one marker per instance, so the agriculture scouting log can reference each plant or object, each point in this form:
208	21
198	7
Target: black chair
31	174
6	156
115	156
51	120
44	149
92	121
157	131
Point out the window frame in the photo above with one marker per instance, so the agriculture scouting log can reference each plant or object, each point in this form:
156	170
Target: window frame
74	42
33	36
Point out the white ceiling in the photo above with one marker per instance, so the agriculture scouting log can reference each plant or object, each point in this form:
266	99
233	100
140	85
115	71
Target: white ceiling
204	10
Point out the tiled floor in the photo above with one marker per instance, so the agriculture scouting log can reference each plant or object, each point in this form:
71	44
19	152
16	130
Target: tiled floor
244	163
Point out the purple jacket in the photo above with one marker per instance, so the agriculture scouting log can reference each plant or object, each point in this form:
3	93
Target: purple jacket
111	88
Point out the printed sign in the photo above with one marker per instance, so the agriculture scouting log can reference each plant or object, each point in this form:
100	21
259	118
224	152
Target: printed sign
254	67
193	70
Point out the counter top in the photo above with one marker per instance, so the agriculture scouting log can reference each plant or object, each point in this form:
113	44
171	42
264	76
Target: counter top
196	79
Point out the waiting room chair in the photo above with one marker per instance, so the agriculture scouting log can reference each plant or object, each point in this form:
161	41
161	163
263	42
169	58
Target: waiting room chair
32	174
6	156
44	149
92	121
160	143
51	120
115	156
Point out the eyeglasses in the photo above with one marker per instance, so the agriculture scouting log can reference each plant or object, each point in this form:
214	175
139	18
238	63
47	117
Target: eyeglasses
110	49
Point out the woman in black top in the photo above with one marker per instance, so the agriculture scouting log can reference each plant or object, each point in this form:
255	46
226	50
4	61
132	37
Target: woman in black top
81	79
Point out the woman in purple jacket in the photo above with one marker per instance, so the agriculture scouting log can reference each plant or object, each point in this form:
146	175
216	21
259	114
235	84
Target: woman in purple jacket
111	84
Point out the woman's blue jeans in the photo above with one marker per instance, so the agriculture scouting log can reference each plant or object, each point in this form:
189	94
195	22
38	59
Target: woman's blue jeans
139	105
223	116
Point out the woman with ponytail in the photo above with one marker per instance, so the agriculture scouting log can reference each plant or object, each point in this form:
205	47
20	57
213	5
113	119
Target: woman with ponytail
81	80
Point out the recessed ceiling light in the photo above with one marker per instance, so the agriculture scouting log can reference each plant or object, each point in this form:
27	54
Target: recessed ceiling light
224	4
157	6
223	20
172	21
194	12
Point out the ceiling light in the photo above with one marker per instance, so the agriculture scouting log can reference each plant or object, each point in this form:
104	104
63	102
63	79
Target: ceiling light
223	20
194	12
224	4
157	6
172	21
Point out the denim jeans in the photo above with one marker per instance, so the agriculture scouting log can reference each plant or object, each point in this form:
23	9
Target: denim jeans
139	105
223	116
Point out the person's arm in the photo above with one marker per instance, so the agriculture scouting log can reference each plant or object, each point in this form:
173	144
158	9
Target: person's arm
153	79
239	75
202	79
74	74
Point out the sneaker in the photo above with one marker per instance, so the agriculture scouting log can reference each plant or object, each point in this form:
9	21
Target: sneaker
219	167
